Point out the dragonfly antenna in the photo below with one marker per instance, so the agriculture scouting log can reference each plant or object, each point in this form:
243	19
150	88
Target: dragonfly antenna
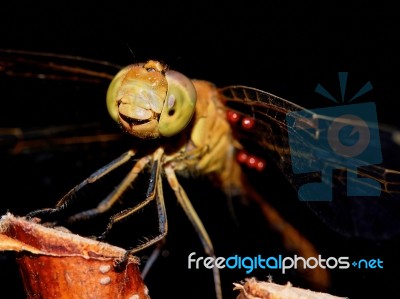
131	51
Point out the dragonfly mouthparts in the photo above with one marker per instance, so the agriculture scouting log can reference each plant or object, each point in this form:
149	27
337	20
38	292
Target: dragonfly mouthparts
132	121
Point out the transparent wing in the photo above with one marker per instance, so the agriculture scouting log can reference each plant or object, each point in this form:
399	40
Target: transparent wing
54	125
50	99
297	140
55	66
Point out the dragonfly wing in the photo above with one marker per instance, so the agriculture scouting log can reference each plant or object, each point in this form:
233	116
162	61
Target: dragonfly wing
55	66
53	114
63	138
296	140
53	99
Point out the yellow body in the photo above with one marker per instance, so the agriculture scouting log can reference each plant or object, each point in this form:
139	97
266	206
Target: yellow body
211	147
151	102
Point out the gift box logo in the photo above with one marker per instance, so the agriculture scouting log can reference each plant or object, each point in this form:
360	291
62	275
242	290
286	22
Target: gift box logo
340	137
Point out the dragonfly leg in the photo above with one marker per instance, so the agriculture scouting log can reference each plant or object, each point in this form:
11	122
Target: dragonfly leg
184	201
158	195
187	155
107	203
67	198
154	192
152	258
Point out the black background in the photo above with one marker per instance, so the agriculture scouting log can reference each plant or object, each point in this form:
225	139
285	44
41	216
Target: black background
281	48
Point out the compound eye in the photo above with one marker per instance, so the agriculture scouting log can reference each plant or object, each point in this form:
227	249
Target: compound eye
179	105
112	101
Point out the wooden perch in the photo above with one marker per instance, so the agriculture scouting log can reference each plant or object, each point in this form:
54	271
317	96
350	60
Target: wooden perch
253	289
58	264
55	263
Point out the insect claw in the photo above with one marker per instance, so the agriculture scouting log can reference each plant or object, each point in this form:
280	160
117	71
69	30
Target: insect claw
41	212
102	237
120	264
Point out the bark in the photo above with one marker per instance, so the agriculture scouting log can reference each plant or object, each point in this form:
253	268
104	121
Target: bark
55	263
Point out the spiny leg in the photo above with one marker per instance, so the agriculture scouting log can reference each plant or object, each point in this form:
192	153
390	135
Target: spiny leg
152	258
67	198
107	203
152	193
184	201
162	224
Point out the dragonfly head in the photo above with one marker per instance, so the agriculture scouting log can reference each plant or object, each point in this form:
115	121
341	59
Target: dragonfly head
150	101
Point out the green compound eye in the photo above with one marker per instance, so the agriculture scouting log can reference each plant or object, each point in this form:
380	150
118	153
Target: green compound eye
179	105
112	92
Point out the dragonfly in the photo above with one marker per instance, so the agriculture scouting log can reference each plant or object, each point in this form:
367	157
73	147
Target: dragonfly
183	126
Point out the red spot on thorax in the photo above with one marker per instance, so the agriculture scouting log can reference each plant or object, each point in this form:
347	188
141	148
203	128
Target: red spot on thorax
247	123
251	161
260	165
242	157
232	116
